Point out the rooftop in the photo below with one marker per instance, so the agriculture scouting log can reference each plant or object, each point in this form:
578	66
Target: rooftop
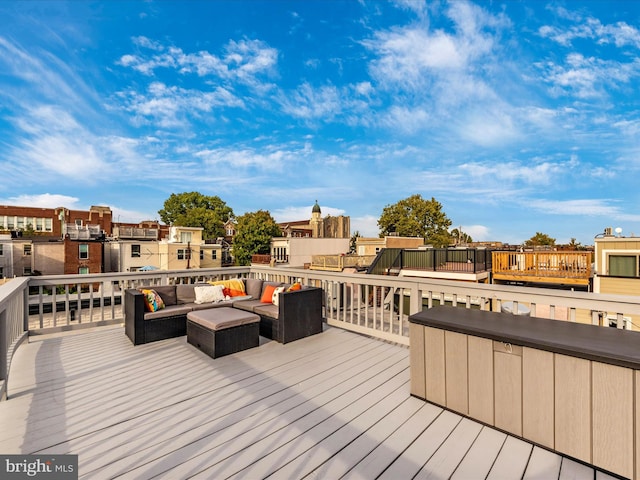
332	405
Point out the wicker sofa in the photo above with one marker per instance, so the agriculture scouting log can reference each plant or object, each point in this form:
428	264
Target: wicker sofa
297	315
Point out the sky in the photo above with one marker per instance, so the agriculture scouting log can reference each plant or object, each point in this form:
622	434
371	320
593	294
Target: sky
516	116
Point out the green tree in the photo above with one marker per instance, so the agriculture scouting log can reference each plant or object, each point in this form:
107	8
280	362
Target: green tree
458	236
254	231
540	239
192	209
29	231
417	217
353	240
575	245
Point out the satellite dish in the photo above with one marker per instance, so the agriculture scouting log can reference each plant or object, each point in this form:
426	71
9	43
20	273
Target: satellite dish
618	230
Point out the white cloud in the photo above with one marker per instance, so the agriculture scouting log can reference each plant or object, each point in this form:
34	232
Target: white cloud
171	106
419	7
293	213
478	233
488	128
366	225
241	60
589	207
309	103
411	56
621	34
588	77
407	119
43	200
125	215
268	158
531	173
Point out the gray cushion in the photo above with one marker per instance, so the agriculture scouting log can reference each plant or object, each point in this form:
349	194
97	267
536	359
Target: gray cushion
253	287
167	293
185	294
267	310
171	311
247	305
222	318
204	306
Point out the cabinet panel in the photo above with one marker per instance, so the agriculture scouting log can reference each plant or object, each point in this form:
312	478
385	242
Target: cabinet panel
434	366
572	385
456	372
538	396
416	359
612	404
480	379
508	391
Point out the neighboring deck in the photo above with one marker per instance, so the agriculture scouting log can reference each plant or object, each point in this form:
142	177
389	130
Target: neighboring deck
330	406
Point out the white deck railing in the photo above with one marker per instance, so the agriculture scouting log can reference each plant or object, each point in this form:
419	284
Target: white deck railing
375	305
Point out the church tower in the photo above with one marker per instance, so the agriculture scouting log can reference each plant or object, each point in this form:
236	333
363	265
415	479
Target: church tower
316	222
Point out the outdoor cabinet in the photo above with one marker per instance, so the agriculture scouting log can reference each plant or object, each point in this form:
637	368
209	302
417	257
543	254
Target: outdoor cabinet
515	374
507	387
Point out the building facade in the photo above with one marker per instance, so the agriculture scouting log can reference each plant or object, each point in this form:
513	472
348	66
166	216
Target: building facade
318	227
373	245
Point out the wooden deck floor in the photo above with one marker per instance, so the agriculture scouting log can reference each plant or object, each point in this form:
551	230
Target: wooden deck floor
335	405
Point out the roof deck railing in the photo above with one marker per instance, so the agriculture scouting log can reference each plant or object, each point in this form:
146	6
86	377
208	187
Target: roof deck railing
375	305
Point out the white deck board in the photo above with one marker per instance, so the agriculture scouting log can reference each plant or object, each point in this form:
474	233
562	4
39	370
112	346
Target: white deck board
543	465
512	460
335	405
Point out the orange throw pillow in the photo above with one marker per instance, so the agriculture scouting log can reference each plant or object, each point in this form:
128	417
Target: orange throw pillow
267	294
294	287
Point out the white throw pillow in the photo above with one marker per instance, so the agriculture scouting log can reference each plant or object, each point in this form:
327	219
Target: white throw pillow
275	298
209	293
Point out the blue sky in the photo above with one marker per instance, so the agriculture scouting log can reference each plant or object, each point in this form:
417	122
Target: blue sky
517	116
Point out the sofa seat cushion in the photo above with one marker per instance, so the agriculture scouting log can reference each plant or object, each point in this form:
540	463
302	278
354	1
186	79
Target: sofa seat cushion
205	306
167	293
248	305
172	311
268	310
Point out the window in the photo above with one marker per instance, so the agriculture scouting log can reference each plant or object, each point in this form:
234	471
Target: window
214	254
39	224
78	222
182	254
20	223
1	272
26	249
11	223
26	271
48	225
135	251
623	265
83	270
185	237
83	253
1	249
201	255
230	232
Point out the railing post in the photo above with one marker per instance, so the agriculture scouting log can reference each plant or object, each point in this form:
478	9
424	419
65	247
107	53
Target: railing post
25	309
3	350
415	302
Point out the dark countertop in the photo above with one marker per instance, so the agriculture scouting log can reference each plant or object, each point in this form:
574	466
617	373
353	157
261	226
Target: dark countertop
590	342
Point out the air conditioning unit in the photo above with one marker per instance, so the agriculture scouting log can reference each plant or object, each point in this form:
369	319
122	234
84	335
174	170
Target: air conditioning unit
608	231
612	321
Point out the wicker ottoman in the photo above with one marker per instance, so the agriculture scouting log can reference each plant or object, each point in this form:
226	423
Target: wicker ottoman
222	331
